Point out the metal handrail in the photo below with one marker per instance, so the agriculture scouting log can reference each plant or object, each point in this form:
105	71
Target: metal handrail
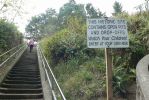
47	68
11	55
9	51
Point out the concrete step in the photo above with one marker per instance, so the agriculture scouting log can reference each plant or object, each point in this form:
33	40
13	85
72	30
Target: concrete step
21	86
19	72
29	67
23	78
26	70
24	75
20	91
21	82
27	63
21	96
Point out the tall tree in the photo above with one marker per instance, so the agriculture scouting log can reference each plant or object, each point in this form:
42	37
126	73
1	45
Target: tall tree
33	27
117	8
42	24
70	9
92	12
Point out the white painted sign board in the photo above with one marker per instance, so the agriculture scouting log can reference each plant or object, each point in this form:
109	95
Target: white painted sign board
107	33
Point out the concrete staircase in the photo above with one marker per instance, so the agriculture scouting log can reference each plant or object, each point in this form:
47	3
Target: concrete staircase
23	81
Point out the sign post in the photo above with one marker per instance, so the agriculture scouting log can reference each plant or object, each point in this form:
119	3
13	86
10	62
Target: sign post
108	58
107	33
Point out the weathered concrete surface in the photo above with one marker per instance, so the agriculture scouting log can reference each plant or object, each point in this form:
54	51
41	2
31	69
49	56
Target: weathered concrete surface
142	75
47	91
131	95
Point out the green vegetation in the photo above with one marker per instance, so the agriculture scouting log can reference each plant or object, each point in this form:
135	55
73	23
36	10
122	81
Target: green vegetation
80	71
44	24
117	8
125	60
9	36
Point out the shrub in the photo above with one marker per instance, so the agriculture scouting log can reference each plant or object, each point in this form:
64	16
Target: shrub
9	35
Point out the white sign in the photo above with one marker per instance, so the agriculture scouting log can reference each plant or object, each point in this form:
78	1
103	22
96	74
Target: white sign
107	33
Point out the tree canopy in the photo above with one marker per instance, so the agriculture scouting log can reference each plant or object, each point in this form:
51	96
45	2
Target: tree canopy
117	8
43	24
92	12
49	22
9	35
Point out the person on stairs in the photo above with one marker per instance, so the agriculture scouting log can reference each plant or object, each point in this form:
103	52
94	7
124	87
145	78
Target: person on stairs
31	44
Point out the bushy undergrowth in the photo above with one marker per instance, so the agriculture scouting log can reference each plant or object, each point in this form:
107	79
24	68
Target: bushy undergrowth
82	81
9	36
81	71
125	60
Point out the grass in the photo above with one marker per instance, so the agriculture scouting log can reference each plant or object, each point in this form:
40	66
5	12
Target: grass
81	81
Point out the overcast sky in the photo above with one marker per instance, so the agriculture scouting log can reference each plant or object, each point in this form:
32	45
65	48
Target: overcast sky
35	7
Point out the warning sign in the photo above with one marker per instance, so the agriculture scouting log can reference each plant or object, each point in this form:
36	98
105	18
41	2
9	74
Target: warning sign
107	33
